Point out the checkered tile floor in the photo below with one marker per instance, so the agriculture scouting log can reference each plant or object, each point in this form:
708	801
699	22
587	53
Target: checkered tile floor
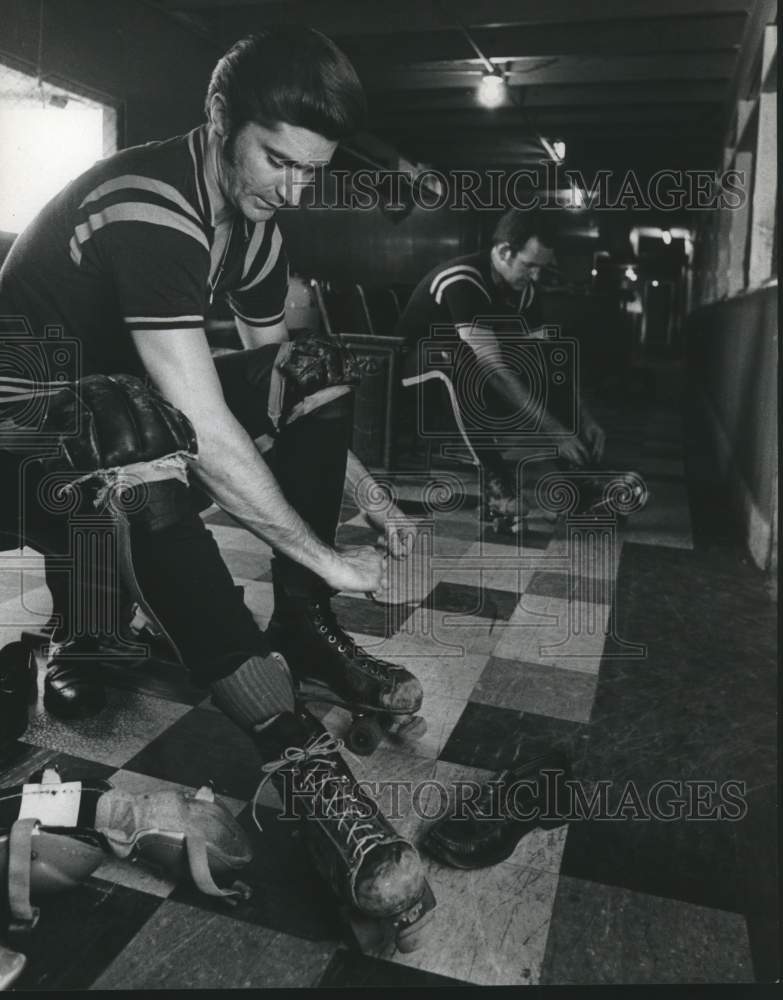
518	643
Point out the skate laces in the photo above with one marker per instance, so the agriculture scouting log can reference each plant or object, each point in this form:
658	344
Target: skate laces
338	801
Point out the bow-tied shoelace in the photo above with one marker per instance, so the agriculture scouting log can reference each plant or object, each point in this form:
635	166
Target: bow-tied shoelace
338	801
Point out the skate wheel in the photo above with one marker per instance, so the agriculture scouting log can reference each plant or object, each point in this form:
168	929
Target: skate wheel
411	937
364	736
407	726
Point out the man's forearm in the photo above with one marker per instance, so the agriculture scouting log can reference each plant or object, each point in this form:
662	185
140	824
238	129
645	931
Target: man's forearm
238	479
511	389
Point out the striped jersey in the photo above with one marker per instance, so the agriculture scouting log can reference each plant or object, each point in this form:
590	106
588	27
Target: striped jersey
462	292
142	241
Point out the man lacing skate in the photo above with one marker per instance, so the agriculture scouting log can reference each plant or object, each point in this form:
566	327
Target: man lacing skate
126	259
478	306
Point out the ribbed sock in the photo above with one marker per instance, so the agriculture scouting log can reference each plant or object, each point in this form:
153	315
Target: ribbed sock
258	690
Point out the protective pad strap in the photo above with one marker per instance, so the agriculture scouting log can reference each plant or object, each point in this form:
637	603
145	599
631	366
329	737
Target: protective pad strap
23	914
198	864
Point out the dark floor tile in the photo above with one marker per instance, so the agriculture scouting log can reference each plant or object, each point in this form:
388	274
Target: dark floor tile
528	538
156	677
688	860
493	738
287	893
365	616
601	935
351	969
356	534
699	707
79	933
185	948
203	746
18	763
485	602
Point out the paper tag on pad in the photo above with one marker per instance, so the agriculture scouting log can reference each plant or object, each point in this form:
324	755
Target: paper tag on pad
52	805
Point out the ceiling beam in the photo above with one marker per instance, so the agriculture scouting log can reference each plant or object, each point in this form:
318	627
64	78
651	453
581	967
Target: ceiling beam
666	92
569	69
510	118
626	37
346	17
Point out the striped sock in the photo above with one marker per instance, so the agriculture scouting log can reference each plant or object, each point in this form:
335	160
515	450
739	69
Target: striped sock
258	690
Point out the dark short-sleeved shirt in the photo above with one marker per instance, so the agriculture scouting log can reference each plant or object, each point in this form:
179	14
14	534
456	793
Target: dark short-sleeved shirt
142	241
463	292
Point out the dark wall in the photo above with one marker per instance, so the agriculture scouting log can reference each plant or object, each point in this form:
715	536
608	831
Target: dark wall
125	49
345	245
733	365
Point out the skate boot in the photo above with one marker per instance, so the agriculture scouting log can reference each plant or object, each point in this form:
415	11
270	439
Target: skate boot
503	508
329	666
486	830
376	874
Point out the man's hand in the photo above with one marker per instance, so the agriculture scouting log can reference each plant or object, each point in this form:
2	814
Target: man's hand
593	436
398	531
357	569
573	451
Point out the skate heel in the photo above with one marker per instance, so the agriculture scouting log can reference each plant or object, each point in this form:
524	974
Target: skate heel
383	936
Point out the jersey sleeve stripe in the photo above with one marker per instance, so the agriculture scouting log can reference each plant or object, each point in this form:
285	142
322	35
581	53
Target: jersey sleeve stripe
258	237
133	211
197	155
266	321
140	183
274	252
460	277
162	323
448	271
162	319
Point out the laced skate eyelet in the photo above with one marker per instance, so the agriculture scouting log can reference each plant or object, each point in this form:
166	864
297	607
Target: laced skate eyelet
323	629
332	639
341	648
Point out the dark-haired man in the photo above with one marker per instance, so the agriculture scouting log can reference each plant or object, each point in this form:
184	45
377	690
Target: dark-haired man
126	259
478	306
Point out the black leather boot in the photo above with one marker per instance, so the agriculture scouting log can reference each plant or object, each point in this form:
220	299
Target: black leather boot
353	846
317	648
73	688
484	829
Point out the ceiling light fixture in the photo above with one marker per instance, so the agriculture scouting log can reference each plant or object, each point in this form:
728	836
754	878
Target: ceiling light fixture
492	90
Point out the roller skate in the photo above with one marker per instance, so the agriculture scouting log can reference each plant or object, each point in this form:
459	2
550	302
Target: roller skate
376	874
601	493
328	667
503	507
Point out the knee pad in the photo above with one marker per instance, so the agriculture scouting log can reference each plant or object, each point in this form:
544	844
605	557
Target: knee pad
181	832
310	371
